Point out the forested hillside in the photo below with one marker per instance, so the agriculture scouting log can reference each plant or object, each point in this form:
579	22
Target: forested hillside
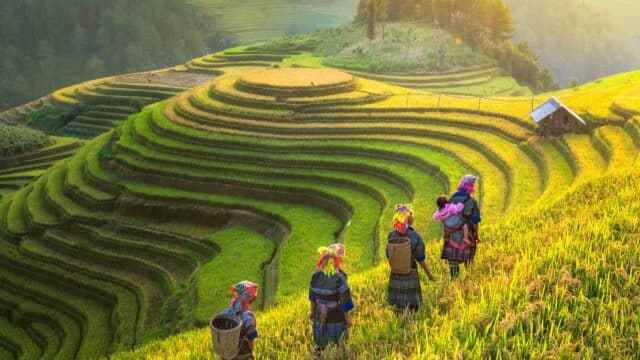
49	44
485	25
582	39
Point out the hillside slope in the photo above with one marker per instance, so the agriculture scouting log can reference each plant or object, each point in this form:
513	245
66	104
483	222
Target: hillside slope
558	283
285	158
569	39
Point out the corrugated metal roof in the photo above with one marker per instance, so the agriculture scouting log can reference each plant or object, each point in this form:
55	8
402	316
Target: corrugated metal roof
552	105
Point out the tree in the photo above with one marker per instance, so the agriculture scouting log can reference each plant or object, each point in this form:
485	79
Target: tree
383	15
54	42
371	20
500	26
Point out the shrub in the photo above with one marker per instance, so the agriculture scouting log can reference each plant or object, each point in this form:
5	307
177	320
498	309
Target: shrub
50	118
16	140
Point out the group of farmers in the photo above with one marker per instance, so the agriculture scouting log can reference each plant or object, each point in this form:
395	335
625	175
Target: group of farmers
329	294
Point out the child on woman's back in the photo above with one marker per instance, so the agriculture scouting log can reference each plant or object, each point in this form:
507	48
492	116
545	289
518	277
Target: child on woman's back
451	217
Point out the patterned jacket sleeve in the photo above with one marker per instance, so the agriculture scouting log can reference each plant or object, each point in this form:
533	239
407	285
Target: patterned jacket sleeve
312	297
419	249
249	324
344	293
475	213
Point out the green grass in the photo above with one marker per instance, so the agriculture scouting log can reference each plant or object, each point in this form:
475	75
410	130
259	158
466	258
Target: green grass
39	213
75	178
560	174
622	151
244	255
349	48
13	334
495	194
60	290
61	333
16	224
590	162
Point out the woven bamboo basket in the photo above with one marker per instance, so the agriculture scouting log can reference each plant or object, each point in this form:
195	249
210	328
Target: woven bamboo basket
399	255
225	335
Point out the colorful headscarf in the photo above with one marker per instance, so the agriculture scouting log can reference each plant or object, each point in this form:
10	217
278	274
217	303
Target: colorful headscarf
244	291
331	255
467	183
402	218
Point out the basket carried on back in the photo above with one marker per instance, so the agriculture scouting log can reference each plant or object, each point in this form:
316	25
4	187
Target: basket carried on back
225	335
399	254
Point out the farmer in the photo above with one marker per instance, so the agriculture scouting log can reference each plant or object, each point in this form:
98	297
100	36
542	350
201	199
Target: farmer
404	289
330	299
245	292
471	215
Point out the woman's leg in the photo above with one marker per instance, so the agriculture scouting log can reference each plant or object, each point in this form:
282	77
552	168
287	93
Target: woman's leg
454	269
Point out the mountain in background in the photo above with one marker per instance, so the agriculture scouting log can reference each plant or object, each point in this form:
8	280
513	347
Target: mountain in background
580	39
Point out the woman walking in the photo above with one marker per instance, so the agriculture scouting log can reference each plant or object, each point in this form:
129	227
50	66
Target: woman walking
404	289
245	292
330	299
454	253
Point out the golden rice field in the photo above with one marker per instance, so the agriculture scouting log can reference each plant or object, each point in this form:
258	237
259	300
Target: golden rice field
145	221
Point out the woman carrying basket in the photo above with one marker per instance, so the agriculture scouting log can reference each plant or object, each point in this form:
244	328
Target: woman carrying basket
245	292
404	289
330	299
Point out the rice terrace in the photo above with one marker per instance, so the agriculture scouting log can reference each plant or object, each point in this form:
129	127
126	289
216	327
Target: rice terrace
276	159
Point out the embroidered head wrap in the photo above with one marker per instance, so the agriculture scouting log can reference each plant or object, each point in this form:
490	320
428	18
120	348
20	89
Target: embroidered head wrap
402	218
331	259
244	291
467	183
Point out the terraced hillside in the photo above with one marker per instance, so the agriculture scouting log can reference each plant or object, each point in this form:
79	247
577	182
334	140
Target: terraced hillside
283	159
258	20
403	54
485	80
18	171
219	63
264	115
108	103
18	115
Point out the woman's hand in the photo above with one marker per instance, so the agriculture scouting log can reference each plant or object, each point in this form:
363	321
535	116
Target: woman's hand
347	320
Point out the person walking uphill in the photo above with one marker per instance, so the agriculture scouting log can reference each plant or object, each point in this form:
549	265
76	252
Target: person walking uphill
455	252
245	292
404	289
330	299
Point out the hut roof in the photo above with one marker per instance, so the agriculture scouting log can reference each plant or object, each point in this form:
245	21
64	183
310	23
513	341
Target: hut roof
549	107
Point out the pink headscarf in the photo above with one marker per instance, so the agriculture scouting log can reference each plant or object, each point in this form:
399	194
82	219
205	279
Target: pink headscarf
245	291
467	183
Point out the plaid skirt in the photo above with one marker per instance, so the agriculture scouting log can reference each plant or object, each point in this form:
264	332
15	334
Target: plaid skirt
404	290
331	333
455	255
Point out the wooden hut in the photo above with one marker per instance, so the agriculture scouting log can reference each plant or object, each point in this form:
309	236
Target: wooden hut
554	118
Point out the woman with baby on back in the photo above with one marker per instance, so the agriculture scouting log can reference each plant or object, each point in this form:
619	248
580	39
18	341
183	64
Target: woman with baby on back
460	217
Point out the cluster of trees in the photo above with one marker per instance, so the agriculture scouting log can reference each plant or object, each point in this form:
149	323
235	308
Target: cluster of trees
483	24
49	44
